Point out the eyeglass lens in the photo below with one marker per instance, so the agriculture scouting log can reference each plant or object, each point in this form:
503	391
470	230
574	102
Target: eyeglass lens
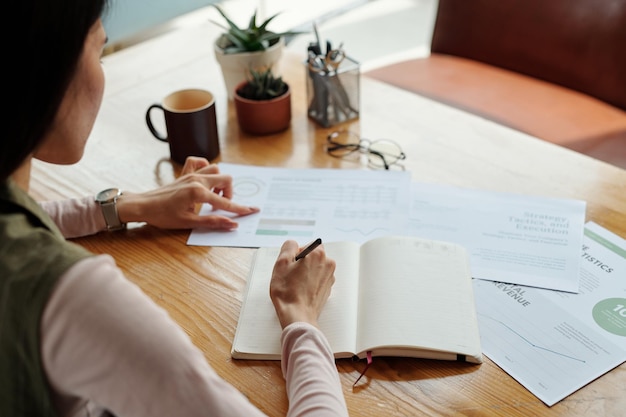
388	153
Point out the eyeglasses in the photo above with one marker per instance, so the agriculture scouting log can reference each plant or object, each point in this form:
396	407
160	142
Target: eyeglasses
381	153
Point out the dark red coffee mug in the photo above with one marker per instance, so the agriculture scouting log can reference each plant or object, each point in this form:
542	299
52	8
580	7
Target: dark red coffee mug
190	123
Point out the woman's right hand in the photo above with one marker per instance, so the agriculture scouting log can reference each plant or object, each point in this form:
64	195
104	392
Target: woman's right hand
300	289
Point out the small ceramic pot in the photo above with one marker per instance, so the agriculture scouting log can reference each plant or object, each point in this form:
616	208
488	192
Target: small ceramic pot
263	117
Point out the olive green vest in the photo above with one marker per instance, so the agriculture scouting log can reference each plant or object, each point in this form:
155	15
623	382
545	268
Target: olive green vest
33	255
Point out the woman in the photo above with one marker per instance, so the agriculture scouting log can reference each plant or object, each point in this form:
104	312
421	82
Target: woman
76	337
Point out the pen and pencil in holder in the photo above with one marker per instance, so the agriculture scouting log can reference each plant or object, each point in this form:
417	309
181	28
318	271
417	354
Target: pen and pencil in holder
332	86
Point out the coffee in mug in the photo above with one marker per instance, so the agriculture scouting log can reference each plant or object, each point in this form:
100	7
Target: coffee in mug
190	123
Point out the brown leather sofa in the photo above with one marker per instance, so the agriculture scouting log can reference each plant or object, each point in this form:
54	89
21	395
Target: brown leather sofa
555	69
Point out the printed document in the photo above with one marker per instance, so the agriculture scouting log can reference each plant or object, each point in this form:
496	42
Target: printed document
514	238
554	342
303	204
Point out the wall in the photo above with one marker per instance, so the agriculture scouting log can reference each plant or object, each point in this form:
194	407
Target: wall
129	18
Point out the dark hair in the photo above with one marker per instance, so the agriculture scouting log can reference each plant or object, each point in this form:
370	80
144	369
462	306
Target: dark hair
41	56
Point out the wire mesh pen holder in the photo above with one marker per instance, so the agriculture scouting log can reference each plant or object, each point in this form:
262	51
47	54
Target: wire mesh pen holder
333	95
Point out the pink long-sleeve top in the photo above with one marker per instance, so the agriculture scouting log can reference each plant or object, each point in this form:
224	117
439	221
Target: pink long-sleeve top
107	346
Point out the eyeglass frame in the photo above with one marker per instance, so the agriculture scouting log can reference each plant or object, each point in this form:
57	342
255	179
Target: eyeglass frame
354	147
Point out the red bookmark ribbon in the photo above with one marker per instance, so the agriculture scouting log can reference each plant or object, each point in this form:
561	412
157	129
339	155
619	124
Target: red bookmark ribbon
369	362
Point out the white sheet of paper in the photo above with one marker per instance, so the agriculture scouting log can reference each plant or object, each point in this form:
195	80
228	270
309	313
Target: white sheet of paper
304	204
514	238
554	342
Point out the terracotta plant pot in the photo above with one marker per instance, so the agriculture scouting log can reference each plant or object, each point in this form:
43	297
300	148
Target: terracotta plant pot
263	117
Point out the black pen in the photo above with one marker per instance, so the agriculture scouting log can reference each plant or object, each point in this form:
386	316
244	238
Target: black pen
309	248
317	38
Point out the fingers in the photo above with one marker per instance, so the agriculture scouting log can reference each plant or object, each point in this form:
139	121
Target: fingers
289	249
210	179
213	222
209	170
208	186
193	164
220	203
203	194
200	169
223	184
299	289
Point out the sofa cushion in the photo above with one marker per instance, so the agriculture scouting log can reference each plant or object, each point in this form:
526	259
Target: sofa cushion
579	44
545	110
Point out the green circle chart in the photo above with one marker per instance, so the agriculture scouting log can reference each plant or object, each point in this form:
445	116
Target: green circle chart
610	314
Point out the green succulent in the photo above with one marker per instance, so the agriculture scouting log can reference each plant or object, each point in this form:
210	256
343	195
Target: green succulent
251	39
262	84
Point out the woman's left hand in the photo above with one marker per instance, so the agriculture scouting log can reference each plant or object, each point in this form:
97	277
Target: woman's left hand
175	206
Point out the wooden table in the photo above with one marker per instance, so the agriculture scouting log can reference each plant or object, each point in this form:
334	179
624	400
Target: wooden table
201	287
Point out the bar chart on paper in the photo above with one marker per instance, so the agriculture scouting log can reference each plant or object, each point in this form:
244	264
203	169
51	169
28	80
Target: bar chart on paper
299	204
279	220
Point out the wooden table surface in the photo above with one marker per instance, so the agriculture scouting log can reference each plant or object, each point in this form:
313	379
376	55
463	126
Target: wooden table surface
201	287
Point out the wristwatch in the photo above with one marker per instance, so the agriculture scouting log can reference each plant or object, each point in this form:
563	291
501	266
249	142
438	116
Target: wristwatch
108	204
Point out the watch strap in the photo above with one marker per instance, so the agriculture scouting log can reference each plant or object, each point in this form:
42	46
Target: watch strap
108	204
111	216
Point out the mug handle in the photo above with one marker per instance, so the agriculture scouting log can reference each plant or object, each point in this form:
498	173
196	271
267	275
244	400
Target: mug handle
153	130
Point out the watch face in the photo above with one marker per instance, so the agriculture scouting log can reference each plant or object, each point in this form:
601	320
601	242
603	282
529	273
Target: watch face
107	195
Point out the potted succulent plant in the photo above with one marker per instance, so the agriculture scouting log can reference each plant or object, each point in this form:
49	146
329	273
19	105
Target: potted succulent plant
238	49
263	103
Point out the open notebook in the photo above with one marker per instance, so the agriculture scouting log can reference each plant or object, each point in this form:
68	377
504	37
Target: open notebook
393	296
